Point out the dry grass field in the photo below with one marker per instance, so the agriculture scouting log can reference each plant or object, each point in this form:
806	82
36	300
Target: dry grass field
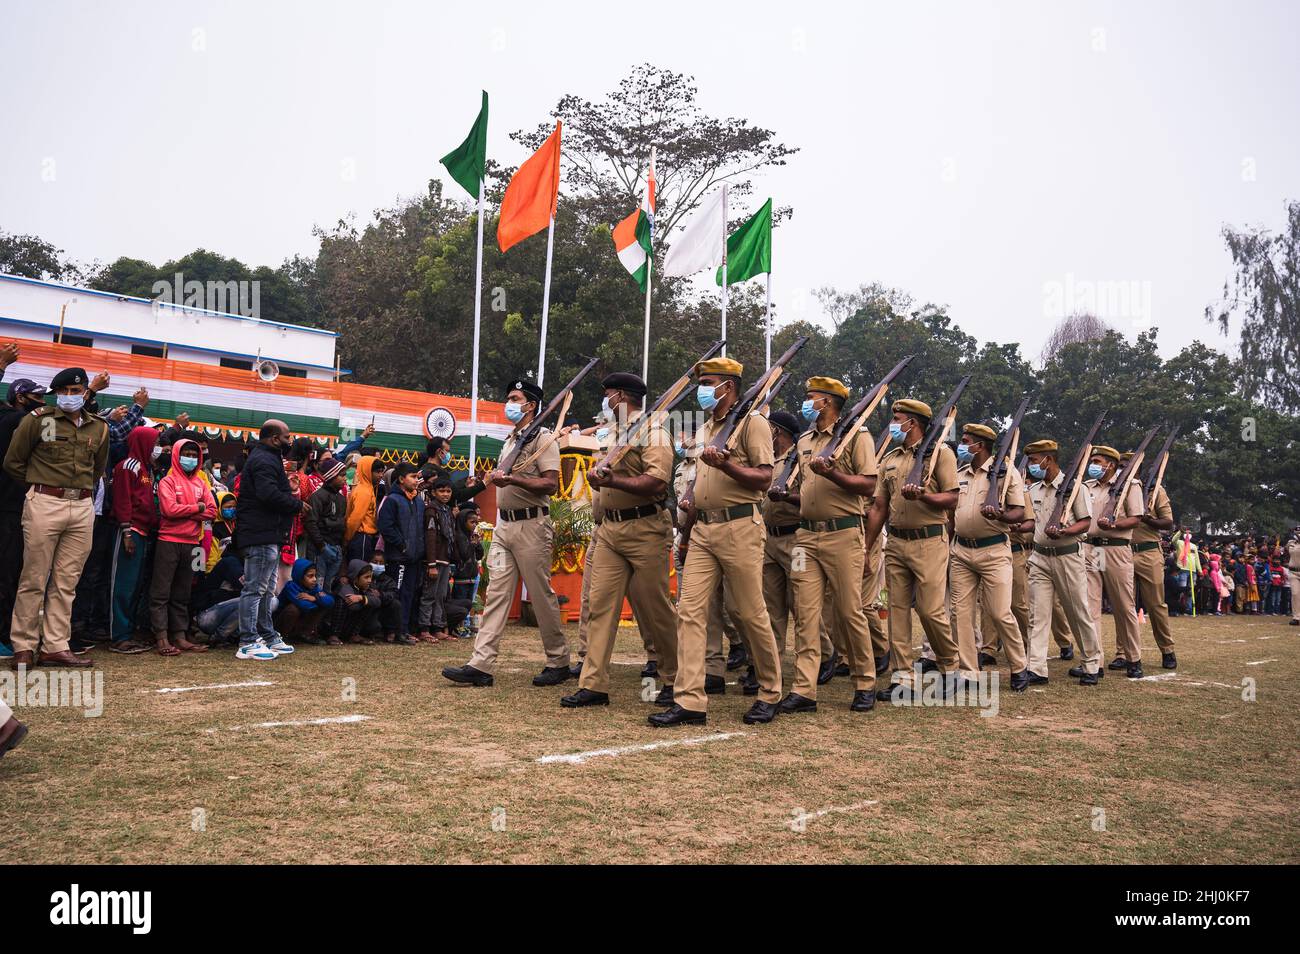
1181	769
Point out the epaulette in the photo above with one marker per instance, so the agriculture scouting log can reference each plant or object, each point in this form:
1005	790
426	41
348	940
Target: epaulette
47	409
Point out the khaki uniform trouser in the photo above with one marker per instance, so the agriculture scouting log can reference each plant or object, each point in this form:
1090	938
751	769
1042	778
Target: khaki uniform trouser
57	535
1113	567
632	561
1064	578
721	612
5	712
986	572
584	613
872	581
520	548
733	549
827	568
1295	593
916	573
778	594
1149	576
1020	604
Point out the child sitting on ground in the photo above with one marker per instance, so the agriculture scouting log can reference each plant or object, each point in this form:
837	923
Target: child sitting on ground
303	604
356	609
390	606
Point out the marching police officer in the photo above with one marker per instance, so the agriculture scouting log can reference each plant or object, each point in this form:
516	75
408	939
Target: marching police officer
1110	556
60	451
781	519
1149	569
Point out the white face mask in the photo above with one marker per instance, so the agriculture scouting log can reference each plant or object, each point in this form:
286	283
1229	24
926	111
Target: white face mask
155	453
70	403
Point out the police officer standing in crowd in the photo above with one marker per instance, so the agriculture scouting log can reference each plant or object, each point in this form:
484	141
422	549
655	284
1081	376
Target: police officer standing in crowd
1149	569
60	451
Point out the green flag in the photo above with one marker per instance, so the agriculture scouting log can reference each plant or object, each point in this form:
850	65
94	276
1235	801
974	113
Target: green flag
468	160
749	248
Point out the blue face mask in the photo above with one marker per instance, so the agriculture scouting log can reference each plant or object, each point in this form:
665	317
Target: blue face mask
189	463
228	513
1036	471
964	454
514	412
808	411
1094	471
377	568
445	459
678	449
602	433
896	431
707	395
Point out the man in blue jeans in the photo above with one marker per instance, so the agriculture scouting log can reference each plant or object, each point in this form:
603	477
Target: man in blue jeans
264	512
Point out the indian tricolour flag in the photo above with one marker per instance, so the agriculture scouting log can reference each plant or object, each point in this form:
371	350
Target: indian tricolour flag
633	236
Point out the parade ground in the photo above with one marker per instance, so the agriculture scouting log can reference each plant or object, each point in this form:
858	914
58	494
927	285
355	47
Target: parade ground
366	754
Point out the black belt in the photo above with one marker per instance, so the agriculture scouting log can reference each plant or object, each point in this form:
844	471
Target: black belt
1057	551
981	541
633	513
830	526
725	514
1017	548
1144	547
1108	541
921	533
785	531
526	513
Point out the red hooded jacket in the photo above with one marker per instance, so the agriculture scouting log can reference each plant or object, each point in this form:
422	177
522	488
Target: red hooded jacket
184	499
133	500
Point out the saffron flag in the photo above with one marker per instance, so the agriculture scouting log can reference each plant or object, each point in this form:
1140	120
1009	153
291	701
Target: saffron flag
468	160
634	236
749	248
532	194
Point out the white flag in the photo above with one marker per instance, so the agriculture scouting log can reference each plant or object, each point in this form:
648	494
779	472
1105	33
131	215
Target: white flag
701	241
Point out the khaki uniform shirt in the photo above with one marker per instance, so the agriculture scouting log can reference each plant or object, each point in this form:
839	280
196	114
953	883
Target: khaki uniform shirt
516	498
651	454
1130	504
1042	496
752	448
1143	533
820	498
1293	556
972	490
782	513
907	514
47	448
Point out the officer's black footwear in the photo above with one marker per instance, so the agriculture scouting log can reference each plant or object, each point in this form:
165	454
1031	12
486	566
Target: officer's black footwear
552	676
736	658
827	671
1294	622
1119	662
585	697
760	713
1135	671
987	659
882	665
841	668
676	716
715	685
575	671
665	697
1067	652
1020	680
797	703
749	684
650	670
929	665
1169	660
1090	678
468	675
897	694
1077	672
864	700
1036	680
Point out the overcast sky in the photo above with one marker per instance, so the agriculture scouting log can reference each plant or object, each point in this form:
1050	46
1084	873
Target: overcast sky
1010	160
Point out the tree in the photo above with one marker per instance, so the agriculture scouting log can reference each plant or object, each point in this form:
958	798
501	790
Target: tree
32	257
1265	292
1073	329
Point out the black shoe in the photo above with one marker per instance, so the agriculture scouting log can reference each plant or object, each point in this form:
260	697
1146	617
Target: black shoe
1036	680
1067	652
896	694
1168	660
1294	622
665	697
1135	671
468	675
1077	672
1119	662
736	658
827	671
797	703
650	670
987	659
1090	678
841	668
552	676
749	685
760	713
1020	680
715	686
575	671
882	665
676	716
864	700
585	697
929	665
79	646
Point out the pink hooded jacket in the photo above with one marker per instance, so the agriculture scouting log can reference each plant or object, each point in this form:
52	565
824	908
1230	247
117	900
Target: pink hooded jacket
184	499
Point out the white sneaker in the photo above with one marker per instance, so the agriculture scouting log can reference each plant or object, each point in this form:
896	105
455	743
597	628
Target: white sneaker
279	646
257	649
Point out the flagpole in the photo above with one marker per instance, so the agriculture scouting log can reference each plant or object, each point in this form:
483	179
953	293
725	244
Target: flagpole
645	350
768	323
724	269
546	303
478	316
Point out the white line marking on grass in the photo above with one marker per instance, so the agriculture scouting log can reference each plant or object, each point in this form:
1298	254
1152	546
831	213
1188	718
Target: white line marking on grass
577	758
220	685
328	720
1266	637
1160	677
1224	642
808	816
1260	662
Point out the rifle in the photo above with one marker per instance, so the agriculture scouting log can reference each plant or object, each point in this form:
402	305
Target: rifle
882	445
1156	475
939	425
1006	451
561	401
1065	496
654	417
1118	488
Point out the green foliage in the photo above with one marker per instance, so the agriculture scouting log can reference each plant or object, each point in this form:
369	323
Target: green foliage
573	528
